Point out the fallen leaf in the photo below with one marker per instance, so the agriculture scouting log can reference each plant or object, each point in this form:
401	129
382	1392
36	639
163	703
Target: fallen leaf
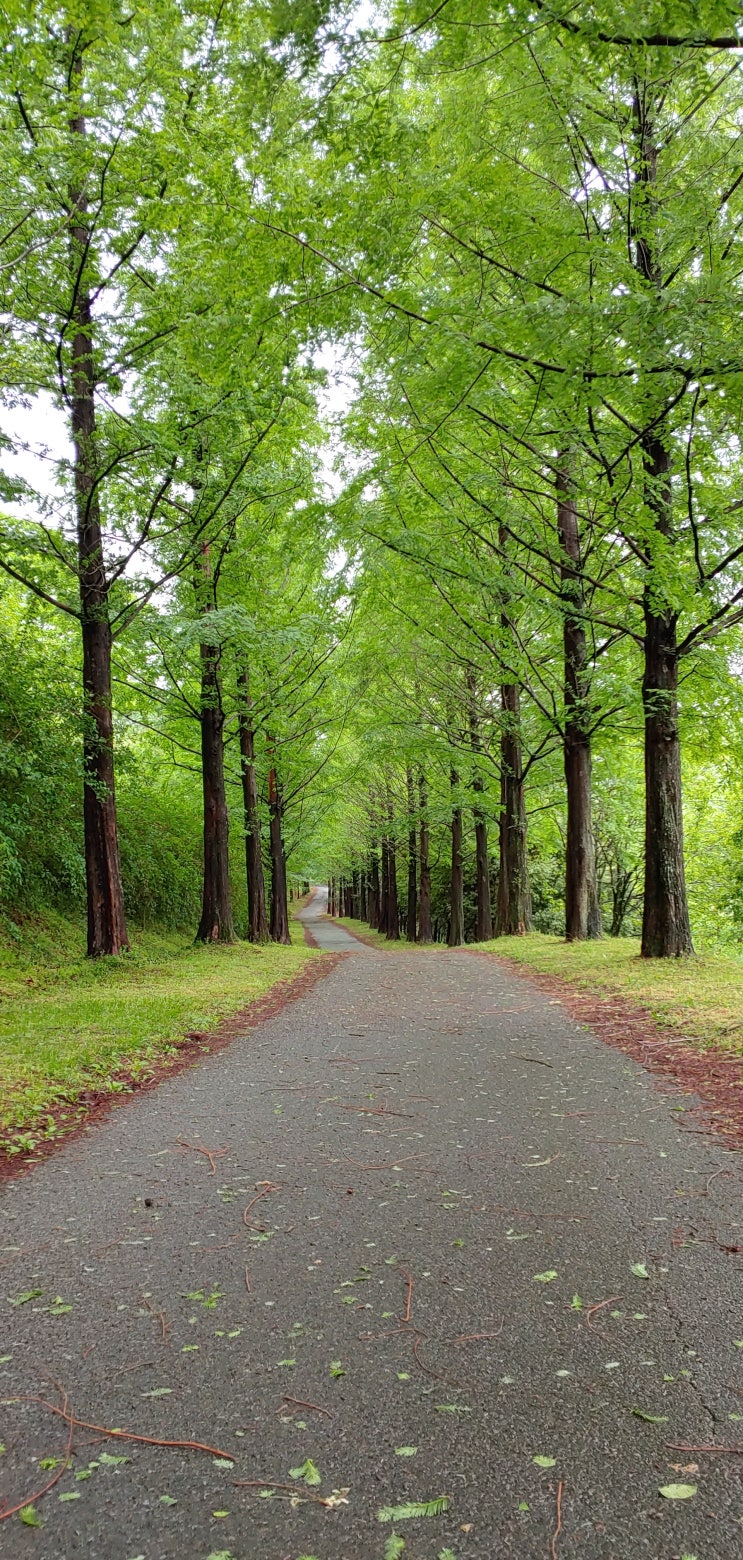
544	1462
545	1278
639	1269
677	1491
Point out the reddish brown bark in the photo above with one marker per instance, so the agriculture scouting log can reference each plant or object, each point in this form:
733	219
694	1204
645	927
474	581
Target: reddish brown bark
513	909
105	899
425	931
456	893
279	924
257	918
484	919
582	910
412	908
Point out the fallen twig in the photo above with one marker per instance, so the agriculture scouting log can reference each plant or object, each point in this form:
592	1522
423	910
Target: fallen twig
118	1435
247	1281
475	1337
592	1309
29	1500
268	1186
558	1529
681	1446
209	1153
409	1299
300	1403
300	1492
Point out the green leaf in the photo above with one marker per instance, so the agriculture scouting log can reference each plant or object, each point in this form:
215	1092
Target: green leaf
405	1451
28	1294
414	1508
30	1516
576	1303
308	1472
677	1491
109	1461
545	1278
394	1547
222	1462
70	1495
639	1269
47	1463
651	1419
336	1369
544	1462
157	1392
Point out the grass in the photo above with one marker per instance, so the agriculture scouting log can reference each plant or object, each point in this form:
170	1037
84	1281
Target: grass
68	1024
378	939
700	998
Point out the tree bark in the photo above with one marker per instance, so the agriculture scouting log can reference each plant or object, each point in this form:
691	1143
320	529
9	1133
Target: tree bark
513	908
257	918
582	909
410	928
384	895
392	929
484	921
425	933
666	930
105	899
373	896
456	896
279	922
216	905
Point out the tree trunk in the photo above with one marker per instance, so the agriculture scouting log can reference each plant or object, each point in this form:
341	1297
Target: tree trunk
373	897
392	928
425	933
410	928
456	898
279	923
484	922
384	896
105	899
666	932
257	918
582	909
216	906
513	909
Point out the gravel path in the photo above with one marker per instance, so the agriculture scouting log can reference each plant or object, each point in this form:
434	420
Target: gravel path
453	1174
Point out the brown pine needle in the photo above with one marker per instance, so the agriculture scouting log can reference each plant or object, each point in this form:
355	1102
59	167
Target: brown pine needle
119	1435
592	1309
267	1186
558	1529
209	1153
30	1500
409	1300
302	1403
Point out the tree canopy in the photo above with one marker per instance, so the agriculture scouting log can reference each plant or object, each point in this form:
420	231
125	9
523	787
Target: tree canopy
371	476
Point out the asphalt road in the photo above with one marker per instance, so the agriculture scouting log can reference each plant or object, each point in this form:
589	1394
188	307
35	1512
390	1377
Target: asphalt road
454	1174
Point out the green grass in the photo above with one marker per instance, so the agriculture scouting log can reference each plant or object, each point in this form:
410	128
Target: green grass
68	1024
378	939
701	997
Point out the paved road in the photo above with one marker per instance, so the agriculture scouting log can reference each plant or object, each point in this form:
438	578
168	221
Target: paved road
441	1138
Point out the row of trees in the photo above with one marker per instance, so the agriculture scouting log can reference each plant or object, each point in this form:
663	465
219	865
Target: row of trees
518	232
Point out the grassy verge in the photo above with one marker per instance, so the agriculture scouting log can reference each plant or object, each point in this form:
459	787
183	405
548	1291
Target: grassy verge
701	998
68	1025
377	939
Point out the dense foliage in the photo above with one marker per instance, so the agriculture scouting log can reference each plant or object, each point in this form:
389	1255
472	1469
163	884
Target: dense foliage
485	262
